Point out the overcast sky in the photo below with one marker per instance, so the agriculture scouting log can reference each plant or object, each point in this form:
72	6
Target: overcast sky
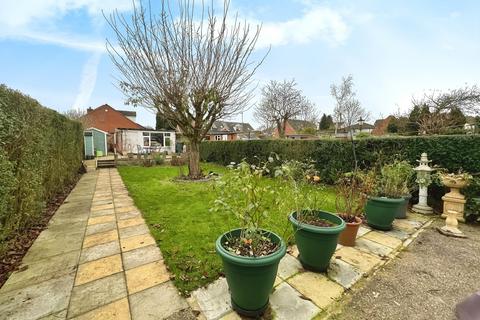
55	50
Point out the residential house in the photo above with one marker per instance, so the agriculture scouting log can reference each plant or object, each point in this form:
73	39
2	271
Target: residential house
346	131
470	125
144	140
381	126
297	130
229	131
124	134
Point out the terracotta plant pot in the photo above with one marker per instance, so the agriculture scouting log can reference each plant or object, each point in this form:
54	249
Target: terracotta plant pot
349	235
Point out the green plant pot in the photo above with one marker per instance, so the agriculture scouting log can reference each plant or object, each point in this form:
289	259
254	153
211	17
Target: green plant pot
316	245
402	211
381	211
250	279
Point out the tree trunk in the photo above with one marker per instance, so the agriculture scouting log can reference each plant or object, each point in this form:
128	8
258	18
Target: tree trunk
194	170
281	129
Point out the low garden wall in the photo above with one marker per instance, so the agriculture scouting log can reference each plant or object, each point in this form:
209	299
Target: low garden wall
335	156
40	154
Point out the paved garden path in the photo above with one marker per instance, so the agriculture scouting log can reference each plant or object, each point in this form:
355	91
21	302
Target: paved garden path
96	260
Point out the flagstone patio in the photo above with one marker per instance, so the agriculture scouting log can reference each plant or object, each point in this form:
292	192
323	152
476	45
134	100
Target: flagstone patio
303	295
97	260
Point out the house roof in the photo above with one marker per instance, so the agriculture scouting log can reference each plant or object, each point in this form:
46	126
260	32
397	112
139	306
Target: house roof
359	126
381	126
229	126
298	125
108	119
470	120
145	129
92	128
127	113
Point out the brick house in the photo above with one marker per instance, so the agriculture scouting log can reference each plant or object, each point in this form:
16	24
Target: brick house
381	126
108	119
294	129
229	131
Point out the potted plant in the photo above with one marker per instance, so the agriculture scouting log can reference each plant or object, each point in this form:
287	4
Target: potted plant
388	200
352	194
250	254
406	171
316	231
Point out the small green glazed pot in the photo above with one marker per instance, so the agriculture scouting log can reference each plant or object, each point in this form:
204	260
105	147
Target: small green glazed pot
250	279
381	211
316	245
402	212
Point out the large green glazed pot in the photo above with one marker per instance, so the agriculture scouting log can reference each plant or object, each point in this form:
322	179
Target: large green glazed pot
316	245
381	211
250	279
402	211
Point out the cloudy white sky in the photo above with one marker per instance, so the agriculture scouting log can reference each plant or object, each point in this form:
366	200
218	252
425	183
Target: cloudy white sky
55	50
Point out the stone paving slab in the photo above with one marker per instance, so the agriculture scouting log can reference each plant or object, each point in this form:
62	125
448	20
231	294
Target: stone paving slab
95	260
301	294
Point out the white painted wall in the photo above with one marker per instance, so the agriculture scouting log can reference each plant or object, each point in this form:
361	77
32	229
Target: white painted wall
133	138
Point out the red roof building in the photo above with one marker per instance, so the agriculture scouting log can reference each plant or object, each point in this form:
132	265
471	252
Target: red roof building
108	119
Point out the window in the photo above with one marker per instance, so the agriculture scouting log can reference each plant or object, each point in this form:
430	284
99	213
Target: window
146	139
218	138
156	139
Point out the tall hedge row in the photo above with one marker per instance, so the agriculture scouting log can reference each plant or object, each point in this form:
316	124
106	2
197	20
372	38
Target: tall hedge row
334	156
40	153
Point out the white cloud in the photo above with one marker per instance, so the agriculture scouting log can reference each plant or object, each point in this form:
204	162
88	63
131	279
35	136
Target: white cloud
36	21
87	84
20	13
318	23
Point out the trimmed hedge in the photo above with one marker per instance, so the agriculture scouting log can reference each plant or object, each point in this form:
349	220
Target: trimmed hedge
40	153
335	156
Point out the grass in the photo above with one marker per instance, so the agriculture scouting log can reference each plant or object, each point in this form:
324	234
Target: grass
178	216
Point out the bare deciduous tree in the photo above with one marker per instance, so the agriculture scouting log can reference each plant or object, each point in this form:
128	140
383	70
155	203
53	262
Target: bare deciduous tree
348	109
193	66
78	115
440	106
283	101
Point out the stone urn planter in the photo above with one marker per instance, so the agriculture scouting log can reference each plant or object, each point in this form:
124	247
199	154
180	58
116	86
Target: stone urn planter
454	200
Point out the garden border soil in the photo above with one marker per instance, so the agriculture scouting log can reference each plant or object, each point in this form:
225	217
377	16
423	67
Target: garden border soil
18	245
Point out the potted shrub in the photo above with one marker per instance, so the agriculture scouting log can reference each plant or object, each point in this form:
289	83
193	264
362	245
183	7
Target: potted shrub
316	231
250	254
406	171
352	194
391	188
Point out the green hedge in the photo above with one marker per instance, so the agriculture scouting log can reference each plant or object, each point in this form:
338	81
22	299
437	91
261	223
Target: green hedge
40	153
335	156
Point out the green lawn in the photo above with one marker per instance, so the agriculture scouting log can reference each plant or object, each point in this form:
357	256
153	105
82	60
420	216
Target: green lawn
179	218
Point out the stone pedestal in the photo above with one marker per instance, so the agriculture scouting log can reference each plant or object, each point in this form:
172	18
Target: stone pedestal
454	201
422	206
454	204
451	225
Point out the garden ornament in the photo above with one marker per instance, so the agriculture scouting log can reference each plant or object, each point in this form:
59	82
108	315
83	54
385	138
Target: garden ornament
423	179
